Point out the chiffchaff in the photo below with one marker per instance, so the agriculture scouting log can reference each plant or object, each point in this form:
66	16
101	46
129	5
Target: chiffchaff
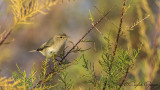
54	46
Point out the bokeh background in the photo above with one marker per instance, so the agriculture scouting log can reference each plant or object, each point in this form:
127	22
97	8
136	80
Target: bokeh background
72	18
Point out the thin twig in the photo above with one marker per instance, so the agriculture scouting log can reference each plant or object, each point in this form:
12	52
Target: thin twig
120	27
107	19
117	39
52	71
5	36
152	60
124	78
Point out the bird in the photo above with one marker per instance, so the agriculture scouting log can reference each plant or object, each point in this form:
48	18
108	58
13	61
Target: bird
54	46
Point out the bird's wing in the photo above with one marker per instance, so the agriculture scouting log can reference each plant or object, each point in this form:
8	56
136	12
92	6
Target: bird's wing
45	45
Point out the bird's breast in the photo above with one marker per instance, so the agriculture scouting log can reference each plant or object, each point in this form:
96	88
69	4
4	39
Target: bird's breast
55	49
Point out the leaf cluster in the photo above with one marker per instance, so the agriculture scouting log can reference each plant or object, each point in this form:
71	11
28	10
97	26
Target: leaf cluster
114	67
25	9
10	84
65	80
30	80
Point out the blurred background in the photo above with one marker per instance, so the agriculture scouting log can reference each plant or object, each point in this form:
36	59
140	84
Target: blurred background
72	18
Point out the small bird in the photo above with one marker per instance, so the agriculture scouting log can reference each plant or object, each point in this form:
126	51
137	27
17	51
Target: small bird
54	46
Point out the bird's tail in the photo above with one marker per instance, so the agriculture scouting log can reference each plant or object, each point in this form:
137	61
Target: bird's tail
33	51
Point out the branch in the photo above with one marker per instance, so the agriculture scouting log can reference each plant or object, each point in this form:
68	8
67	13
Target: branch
117	38
5	36
124	78
120	27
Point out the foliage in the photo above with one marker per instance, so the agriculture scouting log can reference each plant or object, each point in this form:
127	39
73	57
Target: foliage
91	73
29	81
10	84
114	68
65	80
26	9
24	80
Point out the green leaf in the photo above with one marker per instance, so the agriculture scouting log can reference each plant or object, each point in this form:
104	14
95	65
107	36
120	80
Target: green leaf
91	17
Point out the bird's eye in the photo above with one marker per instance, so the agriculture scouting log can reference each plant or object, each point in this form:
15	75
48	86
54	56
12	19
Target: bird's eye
60	37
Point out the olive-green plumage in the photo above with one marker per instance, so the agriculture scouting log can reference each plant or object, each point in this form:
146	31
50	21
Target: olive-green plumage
53	46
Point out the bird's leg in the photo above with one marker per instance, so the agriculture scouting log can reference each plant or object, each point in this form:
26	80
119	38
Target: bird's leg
54	61
53	57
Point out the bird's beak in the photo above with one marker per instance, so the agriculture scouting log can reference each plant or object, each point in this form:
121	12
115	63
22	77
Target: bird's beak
69	38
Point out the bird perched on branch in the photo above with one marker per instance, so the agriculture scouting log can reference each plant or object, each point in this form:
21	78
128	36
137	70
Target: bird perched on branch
54	46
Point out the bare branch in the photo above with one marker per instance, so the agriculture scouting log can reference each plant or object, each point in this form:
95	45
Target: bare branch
120	27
